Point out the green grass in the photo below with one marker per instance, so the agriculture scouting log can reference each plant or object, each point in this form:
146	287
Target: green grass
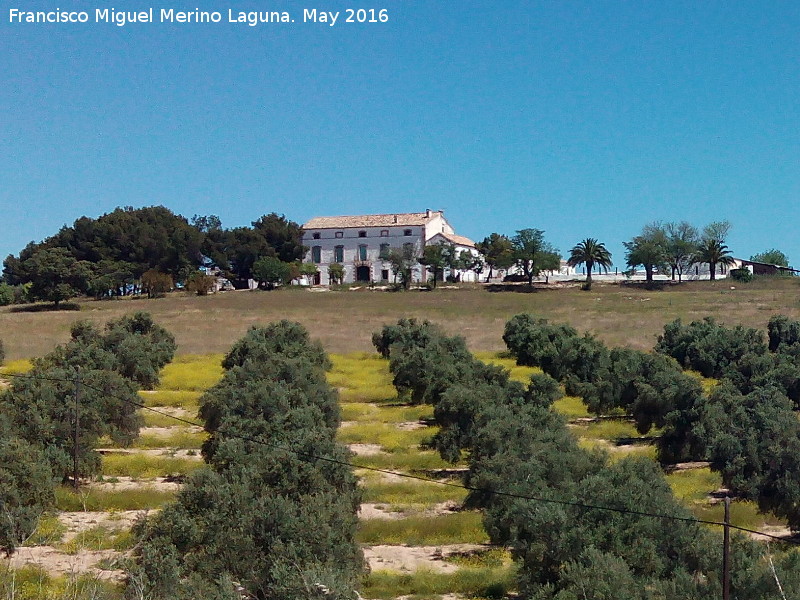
33	583
99	538
693	485
410	493
692	488
408	461
743	514
361	377
707	383
16	367
185	399
144	466
182	438
517	372
356	411
571	407
456	528
607	429
389	437
93	499
49	531
191	372
614	452
424	584
491	558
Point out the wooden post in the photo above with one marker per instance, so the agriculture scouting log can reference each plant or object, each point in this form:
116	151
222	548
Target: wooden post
726	550
77	428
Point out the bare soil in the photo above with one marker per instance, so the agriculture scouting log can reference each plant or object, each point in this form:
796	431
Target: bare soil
408	559
55	562
366	449
76	522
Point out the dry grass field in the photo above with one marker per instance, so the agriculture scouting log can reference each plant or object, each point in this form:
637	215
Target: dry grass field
621	315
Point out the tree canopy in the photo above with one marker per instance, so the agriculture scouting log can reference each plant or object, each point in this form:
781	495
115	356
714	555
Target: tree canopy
114	254
266	512
533	254
773	256
590	252
498	252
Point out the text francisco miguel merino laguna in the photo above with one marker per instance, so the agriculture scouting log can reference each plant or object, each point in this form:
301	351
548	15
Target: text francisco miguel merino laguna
170	15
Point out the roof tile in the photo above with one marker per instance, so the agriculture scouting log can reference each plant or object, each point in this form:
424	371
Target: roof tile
370	220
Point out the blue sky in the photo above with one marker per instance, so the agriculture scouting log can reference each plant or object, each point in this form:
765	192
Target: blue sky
584	119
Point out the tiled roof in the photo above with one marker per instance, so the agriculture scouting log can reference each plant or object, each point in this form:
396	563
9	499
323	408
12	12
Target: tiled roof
370	220
457	239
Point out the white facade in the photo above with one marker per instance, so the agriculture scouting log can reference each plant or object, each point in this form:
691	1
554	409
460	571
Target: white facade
357	243
461	244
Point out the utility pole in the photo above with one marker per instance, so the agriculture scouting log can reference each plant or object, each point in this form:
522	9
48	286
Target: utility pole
77	428
726	551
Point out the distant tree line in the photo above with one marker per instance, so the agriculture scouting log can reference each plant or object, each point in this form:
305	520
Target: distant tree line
146	250
92	378
271	513
566	548
151	250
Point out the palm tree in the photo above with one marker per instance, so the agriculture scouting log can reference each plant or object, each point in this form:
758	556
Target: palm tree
714	252
590	252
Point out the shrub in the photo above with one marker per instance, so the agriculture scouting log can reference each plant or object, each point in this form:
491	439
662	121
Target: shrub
708	348
741	275
26	489
285	338
156	284
784	335
405	333
200	283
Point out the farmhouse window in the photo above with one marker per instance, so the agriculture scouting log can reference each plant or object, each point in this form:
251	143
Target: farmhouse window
406	232
362	252
384	251
339	234
338	254
362	234
315	235
384	233
316	254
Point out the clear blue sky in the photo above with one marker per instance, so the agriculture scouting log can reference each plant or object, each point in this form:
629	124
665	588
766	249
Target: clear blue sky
578	118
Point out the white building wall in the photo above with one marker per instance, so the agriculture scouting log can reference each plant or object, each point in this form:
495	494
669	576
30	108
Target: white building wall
351	240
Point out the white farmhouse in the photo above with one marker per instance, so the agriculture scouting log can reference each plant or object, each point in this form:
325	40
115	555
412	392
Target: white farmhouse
358	242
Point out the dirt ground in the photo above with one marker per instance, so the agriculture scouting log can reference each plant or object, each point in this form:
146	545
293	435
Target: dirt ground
408	559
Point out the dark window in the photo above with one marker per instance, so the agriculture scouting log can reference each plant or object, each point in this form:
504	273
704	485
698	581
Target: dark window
385	275
362	234
406	232
362	252
316	254
384	233
338	254
339	234
316	235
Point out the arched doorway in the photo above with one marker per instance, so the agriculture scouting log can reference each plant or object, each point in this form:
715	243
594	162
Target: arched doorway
362	274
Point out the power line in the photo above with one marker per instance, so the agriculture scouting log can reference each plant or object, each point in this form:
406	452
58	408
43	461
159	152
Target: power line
463	486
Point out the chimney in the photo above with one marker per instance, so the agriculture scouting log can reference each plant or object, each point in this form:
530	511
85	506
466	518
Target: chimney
428	213
395	218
